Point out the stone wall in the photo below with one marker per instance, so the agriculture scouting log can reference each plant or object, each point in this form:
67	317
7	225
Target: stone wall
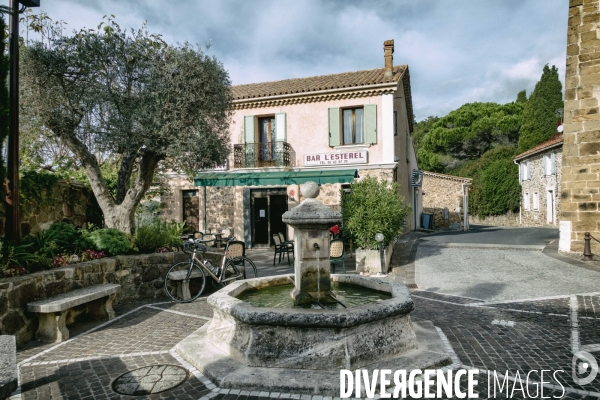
508	219
543	185
441	191
140	276
581	149
66	202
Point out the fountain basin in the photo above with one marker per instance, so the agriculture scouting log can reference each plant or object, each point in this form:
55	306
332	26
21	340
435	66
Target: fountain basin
311	339
302	350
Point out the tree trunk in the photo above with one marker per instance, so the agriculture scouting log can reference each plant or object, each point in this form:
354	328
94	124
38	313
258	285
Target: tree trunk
121	218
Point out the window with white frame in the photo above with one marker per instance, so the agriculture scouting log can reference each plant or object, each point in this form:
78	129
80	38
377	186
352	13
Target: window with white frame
547	164
536	201
526	201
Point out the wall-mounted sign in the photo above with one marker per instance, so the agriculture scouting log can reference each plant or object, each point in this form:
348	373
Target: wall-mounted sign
337	158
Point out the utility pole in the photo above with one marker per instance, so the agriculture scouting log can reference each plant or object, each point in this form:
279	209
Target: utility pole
12	225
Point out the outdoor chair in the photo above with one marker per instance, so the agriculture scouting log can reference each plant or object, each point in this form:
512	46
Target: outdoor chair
281	249
289	242
336	254
234	249
208	239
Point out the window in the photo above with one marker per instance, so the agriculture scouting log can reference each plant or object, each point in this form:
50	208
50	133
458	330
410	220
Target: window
549	161
525	172
526	201
353	122
536	201
266	137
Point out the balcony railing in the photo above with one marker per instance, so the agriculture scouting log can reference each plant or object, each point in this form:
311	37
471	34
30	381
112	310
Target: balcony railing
265	154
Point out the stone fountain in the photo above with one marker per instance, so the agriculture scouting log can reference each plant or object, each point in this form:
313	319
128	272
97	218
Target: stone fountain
301	350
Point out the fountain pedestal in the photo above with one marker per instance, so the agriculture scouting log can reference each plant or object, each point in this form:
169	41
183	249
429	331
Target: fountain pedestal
311	221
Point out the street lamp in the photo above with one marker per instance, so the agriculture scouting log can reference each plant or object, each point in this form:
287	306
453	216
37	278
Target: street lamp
12	223
379	237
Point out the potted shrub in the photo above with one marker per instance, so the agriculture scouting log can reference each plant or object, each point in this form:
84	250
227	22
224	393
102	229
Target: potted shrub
373	206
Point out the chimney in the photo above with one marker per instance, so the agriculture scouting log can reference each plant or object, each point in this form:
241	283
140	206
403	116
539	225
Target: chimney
388	51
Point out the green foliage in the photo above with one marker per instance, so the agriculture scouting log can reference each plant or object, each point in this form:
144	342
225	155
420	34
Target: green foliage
35	189
158	234
147	212
467	133
14	258
539	114
522	96
421	129
373	206
110	240
495	189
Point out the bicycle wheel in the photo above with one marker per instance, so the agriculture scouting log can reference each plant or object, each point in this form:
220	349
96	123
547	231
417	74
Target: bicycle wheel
247	266
231	272
181	290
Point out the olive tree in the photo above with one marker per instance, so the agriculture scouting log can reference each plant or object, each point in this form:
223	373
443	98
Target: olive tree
131	96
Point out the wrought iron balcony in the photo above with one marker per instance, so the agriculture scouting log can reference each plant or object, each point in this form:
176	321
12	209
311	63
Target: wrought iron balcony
265	154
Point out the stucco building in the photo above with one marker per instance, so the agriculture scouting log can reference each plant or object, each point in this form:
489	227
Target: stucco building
540	171
331	129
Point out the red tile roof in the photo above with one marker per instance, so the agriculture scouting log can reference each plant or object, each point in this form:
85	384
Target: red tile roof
556	139
316	83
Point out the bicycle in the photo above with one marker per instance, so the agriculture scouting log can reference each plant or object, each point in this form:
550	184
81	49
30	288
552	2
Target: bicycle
185	281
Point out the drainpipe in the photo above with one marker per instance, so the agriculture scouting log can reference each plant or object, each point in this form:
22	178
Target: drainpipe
204	227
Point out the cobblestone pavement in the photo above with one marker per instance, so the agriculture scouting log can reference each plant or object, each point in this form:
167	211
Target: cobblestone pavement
528	334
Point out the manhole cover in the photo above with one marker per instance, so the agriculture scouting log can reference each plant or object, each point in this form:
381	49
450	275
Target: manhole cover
149	380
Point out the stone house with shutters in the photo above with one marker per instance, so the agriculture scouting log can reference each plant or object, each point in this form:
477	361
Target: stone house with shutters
540	177
331	129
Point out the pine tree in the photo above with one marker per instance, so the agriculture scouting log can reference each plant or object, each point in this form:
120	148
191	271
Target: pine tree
539	114
522	96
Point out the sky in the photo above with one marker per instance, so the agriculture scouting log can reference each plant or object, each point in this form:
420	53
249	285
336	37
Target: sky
458	51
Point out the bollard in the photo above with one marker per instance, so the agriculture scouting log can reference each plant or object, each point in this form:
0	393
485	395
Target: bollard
587	249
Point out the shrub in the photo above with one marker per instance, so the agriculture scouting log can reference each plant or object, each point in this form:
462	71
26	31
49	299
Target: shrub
148	238
110	240
373	206
158	235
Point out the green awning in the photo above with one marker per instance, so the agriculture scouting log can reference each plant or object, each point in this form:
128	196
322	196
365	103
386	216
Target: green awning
273	178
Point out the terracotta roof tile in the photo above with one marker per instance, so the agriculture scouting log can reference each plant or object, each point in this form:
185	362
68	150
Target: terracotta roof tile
316	83
555	139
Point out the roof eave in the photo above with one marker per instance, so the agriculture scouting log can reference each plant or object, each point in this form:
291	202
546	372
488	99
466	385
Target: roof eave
387	85
525	155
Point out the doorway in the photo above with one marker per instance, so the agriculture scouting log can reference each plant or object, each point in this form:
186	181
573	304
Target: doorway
191	210
268	206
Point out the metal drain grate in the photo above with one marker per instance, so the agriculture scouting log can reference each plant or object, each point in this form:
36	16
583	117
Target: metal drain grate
412	286
149	380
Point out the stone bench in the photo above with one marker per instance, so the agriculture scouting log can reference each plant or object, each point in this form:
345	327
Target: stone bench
183	288
57	312
8	366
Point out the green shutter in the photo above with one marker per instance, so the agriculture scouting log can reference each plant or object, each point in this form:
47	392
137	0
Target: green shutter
249	128
334	126
280	127
249	138
371	123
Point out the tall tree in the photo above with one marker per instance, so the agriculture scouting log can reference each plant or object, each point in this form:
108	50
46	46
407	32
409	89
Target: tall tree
467	133
522	96
539	114
130	96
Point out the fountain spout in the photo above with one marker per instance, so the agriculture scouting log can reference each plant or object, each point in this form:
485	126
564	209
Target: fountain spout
316	247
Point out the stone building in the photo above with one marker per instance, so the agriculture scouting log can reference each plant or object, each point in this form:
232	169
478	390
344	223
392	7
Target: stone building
441	191
540	170
581	149
331	129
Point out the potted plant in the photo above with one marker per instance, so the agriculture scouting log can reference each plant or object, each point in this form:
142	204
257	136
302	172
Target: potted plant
373	206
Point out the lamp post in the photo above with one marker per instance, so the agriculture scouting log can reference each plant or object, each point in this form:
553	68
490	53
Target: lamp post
12	223
379	237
